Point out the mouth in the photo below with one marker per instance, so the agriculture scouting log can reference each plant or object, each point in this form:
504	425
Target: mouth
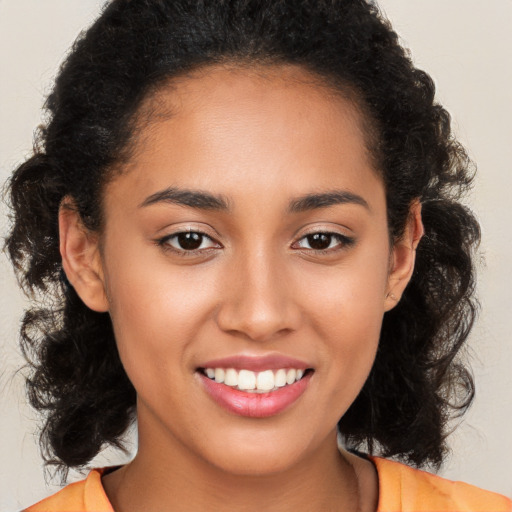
266	381
255	388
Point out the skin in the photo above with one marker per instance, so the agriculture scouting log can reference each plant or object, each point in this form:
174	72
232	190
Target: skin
255	287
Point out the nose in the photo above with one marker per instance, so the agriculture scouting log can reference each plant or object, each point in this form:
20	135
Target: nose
258	302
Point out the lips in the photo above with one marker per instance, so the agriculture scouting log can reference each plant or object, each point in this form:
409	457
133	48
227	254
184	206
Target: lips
255	387
256	363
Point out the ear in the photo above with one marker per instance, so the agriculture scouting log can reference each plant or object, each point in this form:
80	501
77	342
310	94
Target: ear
81	261
403	257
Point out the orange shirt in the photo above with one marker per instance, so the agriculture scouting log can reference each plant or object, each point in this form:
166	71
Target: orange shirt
401	489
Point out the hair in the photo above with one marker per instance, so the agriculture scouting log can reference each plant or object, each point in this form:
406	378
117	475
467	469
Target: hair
418	382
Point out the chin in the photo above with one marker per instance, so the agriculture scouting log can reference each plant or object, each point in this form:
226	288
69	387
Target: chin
259	456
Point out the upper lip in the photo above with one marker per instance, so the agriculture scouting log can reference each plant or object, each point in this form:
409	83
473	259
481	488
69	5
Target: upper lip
257	363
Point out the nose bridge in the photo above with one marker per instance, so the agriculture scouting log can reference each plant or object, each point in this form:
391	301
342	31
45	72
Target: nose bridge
257	301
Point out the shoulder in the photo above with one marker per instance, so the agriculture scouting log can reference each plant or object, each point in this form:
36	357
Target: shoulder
402	488
83	496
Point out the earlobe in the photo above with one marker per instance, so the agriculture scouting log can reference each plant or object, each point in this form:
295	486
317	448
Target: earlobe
81	259
403	257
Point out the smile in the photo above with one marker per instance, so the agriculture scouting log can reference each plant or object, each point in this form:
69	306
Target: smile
255	382
254	394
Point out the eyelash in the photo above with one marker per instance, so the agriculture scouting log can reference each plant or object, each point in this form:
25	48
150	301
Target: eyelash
343	243
164	242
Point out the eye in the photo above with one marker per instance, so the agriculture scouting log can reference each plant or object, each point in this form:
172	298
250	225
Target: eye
188	241
324	241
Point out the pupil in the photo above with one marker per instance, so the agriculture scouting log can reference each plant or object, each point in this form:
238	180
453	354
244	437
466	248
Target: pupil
190	241
319	241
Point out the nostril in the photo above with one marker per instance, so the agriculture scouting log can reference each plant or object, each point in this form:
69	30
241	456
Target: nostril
257	317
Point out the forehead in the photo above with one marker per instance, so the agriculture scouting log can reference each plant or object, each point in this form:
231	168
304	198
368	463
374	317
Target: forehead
234	127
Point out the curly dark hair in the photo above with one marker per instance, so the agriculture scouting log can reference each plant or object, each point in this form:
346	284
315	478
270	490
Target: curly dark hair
418	381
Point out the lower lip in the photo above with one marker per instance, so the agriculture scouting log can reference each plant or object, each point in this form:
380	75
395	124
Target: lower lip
255	405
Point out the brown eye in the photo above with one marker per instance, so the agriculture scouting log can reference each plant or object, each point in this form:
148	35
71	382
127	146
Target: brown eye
319	241
324	241
188	241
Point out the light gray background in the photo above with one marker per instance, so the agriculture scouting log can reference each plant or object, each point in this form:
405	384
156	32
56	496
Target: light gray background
466	45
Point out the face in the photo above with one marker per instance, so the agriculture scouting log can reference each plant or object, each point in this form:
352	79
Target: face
246	245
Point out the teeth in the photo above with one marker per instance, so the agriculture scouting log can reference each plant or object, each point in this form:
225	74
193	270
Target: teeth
262	382
291	375
219	374
265	380
280	378
231	377
246	380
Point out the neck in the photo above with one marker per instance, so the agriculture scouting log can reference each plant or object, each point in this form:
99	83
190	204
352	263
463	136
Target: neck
166	476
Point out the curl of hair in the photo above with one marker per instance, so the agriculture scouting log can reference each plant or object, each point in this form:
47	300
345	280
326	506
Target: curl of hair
418	381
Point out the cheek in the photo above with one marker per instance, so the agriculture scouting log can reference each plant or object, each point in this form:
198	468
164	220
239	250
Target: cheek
350	296
157	311
346	310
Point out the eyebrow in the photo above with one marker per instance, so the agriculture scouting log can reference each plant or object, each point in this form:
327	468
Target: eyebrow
191	198
207	201
324	200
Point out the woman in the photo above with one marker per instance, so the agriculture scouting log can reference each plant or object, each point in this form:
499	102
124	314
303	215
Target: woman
247	214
